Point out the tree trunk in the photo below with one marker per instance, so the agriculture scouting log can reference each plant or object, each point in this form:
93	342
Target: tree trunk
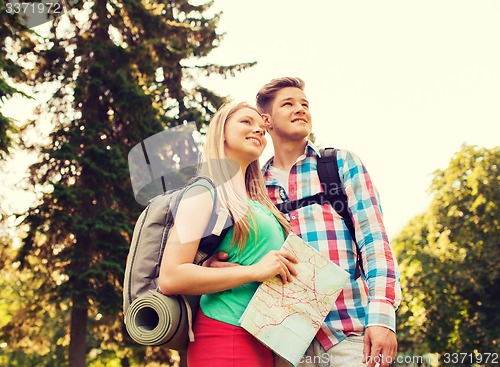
78	332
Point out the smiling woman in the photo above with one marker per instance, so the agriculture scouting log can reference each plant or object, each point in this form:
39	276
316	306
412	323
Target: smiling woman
235	134
244	136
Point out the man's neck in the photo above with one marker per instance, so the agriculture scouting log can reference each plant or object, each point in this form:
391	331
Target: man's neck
286	153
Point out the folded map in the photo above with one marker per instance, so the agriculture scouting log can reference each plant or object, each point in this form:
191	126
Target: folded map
286	317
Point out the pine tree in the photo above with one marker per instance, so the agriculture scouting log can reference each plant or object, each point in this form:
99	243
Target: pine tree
15	44
119	67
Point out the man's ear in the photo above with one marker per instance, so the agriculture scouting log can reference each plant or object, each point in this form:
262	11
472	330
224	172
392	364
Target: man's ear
267	121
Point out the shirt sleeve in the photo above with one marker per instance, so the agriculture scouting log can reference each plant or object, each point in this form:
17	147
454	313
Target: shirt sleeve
379	262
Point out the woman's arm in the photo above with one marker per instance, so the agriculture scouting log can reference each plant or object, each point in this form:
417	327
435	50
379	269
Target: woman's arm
178	274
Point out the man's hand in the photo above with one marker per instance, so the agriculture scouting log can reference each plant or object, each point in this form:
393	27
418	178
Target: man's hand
218	260
380	345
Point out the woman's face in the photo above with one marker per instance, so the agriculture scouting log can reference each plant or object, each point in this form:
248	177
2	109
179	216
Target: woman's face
244	139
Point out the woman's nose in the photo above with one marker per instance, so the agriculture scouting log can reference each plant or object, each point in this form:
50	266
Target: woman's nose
259	130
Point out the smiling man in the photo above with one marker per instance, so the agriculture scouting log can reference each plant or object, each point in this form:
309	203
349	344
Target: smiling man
360	328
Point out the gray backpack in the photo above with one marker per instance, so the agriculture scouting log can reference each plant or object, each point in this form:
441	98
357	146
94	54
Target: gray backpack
152	318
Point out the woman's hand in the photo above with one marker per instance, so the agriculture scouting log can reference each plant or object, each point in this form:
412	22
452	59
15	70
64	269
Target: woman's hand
276	263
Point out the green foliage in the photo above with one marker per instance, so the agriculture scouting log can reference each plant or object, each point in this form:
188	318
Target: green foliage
15	44
32	330
120	76
449	259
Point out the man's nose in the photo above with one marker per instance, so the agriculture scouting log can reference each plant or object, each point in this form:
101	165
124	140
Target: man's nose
300	109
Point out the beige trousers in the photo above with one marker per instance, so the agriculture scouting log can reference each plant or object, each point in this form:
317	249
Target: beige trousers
347	353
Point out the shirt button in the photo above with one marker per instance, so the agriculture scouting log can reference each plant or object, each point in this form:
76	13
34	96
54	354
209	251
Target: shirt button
294	217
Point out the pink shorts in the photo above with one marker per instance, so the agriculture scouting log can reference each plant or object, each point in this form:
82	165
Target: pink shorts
218	344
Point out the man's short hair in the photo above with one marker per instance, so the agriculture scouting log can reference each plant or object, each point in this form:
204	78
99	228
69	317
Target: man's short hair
266	94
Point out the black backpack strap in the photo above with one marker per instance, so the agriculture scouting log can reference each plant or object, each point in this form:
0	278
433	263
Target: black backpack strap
328	172
288	206
210	241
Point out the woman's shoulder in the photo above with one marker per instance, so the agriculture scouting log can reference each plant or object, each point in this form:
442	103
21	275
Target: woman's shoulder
200	186
195	209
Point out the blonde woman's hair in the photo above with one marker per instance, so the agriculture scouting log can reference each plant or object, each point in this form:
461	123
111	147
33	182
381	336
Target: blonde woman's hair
222	170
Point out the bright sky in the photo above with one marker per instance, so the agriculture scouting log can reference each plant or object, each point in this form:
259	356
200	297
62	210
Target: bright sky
401	83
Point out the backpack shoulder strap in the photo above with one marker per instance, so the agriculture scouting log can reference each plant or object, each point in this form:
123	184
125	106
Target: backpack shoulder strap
212	236
328	172
333	194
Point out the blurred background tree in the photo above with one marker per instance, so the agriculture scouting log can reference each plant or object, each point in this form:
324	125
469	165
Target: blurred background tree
16	44
449	259
120	74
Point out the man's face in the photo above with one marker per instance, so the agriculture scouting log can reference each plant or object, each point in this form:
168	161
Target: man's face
289	117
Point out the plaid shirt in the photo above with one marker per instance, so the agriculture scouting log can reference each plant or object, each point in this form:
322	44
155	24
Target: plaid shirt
371	299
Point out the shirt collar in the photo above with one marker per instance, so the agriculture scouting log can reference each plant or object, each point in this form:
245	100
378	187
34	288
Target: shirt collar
310	147
309	150
268	179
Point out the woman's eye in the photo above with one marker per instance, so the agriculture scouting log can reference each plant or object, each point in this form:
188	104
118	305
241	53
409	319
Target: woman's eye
245	121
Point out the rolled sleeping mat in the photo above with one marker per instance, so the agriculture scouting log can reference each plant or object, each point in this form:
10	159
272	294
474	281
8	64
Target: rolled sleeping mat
156	319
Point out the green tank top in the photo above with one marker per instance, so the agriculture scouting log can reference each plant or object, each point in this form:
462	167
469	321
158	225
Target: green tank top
266	234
